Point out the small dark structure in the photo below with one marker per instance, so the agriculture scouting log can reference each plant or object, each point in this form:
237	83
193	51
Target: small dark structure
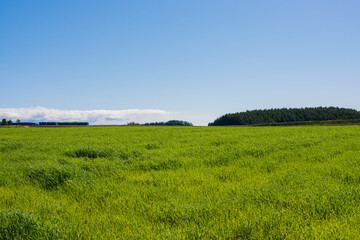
72	123
24	123
63	123
48	123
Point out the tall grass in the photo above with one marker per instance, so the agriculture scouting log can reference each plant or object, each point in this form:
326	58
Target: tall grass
180	183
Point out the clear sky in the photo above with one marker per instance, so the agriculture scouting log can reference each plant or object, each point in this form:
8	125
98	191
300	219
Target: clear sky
191	59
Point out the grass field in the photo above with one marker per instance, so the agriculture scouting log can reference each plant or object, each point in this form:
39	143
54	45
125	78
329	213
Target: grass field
180	183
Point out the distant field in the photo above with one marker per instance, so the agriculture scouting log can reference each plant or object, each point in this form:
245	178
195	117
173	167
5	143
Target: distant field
180	183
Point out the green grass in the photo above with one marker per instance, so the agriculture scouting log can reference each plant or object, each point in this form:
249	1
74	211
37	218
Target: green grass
180	183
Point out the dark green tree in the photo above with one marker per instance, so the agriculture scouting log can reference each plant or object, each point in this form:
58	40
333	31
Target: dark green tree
4	122
170	123
133	124
285	115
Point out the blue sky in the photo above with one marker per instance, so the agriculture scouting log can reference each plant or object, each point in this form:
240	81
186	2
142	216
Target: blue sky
194	60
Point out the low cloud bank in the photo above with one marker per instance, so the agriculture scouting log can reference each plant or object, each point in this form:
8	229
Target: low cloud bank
101	117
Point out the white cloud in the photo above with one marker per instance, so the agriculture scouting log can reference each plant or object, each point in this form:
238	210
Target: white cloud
106	117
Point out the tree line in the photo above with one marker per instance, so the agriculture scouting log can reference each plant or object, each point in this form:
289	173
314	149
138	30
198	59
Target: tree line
5	122
283	115
168	123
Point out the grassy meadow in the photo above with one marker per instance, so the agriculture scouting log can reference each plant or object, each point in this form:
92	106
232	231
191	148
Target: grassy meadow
180	183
